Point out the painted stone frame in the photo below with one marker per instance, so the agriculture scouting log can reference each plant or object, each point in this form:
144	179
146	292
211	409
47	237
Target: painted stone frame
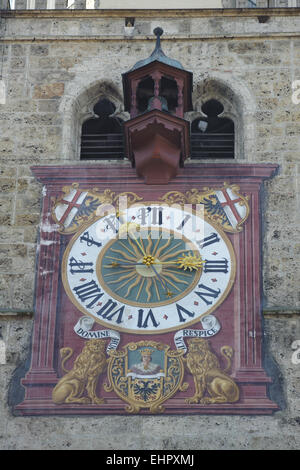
215	366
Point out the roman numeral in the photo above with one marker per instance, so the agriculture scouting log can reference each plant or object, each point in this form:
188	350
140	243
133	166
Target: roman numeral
207	292
180	226
143	323
105	311
89	290
157	215
79	266
216	266
154	214
110	225
213	238
182	310
89	240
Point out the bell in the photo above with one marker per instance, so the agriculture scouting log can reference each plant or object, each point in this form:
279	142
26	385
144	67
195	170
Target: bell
163	103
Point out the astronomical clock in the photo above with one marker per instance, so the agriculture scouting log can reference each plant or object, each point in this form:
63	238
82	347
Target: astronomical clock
148	281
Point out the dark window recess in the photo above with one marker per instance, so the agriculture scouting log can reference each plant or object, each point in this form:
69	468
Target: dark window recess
168	90
145	92
102	137
212	137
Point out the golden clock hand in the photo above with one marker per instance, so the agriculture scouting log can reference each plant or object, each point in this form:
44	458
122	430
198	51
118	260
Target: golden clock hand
185	262
126	265
139	245
148	260
129	228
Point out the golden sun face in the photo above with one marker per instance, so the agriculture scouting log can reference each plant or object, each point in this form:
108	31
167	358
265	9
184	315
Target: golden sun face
149	269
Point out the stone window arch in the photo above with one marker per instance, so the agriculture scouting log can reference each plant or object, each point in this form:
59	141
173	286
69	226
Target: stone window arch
78	106
238	105
212	136
102	134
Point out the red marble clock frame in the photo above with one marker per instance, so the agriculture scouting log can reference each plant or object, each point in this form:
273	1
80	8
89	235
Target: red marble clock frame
240	314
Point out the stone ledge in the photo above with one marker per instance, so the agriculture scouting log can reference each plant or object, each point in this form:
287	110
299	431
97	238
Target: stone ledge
181	37
272	312
144	13
7	313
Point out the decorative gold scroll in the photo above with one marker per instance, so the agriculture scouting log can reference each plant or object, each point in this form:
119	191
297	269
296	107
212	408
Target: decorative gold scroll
213	209
88	208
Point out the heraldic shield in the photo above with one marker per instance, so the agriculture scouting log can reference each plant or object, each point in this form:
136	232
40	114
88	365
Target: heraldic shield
145	374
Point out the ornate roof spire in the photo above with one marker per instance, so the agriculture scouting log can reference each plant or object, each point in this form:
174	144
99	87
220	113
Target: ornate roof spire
158	54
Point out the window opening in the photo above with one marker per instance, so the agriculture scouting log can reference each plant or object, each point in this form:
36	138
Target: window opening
102	136
212	137
169	91
145	92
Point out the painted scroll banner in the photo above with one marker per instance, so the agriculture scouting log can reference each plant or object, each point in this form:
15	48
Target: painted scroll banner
83	329
211	327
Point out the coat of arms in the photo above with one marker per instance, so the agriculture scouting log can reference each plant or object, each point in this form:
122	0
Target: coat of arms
145	374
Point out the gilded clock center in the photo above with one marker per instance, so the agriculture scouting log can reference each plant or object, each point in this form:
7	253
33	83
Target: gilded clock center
148	266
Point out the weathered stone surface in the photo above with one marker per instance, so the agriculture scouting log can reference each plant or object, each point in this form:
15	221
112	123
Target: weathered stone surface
53	90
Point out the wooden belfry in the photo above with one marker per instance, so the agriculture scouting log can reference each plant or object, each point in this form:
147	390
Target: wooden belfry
157	93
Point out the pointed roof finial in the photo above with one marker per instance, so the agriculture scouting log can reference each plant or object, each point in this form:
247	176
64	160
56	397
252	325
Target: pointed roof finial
158	50
158	32
158	54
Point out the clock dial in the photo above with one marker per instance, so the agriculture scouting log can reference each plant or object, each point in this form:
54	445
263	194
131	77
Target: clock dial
150	270
153	269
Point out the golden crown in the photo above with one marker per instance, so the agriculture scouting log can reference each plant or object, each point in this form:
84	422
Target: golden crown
146	352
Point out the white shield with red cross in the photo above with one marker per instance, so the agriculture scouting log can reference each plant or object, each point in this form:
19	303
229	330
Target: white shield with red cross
233	205
68	207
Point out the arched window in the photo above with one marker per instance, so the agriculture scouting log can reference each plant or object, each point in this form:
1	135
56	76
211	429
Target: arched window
145	91
212	136
169	91
102	135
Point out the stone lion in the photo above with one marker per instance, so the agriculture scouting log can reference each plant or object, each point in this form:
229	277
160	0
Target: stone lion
208	376
83	377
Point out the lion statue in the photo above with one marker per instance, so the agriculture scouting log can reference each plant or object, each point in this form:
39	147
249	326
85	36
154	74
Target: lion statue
83	377
208	376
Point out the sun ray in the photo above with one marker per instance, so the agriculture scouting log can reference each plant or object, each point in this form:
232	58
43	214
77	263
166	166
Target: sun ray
135	248
170	282
172	255
114	273
139	243
162	248
172	248
129	258
138	279
125	283
185	273
115	259
128	249
172	276
156	288
147	289
148	250
156	245
121	278
143	246
141	287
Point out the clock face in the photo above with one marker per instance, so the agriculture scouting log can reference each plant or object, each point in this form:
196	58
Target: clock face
150	270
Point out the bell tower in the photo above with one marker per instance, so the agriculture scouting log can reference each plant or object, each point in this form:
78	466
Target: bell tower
157	93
